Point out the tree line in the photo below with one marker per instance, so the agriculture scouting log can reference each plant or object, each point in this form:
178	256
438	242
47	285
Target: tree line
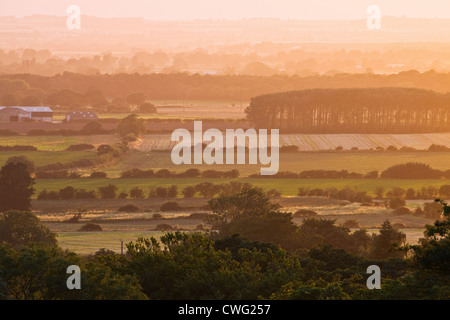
75	90
356	110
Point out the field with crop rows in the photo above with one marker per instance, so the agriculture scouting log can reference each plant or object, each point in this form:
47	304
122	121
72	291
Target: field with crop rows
318	142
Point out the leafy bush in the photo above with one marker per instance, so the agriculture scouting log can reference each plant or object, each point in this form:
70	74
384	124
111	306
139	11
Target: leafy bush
108	192
402	211
304	213
170	206
411	170
18	148
164	227
90	227
351	224
395	203
136	193
80	147
98	175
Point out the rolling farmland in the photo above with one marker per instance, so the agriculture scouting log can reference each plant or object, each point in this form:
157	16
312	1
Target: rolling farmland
320	142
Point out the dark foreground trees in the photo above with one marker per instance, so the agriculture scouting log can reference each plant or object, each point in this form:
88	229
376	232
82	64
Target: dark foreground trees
251	214
329	261
16	187
21	228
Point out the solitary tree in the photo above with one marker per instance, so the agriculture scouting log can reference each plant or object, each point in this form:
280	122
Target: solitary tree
131	124
16	187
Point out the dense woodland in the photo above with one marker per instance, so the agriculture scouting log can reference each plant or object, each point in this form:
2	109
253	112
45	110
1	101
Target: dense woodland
374	110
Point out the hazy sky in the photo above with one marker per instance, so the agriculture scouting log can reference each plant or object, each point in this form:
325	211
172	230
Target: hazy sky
230	9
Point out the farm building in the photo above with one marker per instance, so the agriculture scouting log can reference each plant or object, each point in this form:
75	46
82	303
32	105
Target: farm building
80	115
20	114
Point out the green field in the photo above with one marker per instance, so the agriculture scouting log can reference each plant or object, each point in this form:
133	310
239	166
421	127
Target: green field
55	143
359	162
90	242
41	158
288	187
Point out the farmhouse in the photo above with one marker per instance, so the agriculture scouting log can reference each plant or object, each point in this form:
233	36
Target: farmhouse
80	115
21	114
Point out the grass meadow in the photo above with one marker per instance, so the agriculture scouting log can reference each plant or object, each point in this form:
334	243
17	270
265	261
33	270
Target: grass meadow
359	162
146	157
90	242
41	158
56	143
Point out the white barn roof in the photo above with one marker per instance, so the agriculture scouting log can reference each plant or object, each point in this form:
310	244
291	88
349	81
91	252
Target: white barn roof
31	109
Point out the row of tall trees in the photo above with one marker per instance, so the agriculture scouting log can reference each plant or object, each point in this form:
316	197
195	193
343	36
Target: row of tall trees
374	110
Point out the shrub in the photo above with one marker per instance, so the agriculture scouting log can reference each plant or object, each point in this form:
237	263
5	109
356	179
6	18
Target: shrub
304	213
198	215
137	173
91	227
122	195
18	148
411	170
391	148
84	194
156	216
130	137
75	219
80	147
395	203
67	193
170	206
147	107
108	192
402	211
191	173
172	191
129	208
371	175
136	193
164	227
188	192
161	192
98	175
351	224
438	148
44	195
302	192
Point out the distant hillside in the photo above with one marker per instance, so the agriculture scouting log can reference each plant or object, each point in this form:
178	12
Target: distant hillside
124	34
